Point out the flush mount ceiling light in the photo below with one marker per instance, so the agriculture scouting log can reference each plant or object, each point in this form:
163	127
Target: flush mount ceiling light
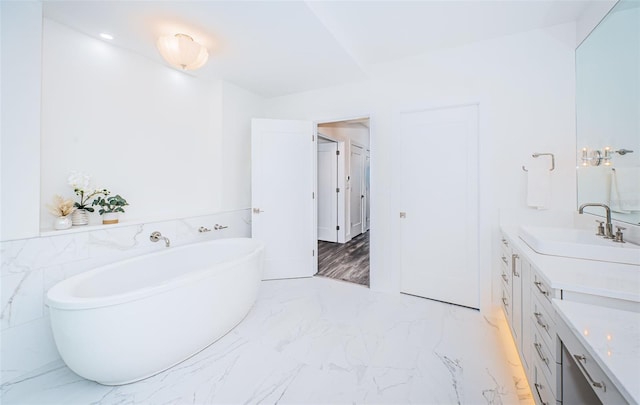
182	51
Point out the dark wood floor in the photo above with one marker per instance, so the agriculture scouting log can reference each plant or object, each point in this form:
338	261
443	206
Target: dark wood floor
345	261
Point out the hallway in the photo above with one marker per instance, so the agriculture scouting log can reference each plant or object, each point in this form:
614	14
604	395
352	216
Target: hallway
345	261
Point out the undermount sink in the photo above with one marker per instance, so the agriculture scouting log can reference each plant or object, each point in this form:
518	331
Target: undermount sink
580	244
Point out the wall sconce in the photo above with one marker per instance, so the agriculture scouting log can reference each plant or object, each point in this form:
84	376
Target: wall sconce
596	158
182	51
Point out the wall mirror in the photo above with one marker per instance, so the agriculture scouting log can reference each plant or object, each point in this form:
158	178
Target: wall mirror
608	114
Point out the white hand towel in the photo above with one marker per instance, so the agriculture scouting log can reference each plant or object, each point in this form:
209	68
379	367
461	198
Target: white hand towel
625	189
538	187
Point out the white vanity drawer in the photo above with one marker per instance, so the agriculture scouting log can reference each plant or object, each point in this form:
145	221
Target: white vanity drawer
505	301
542	393
541	289
545	325
505	275
545	363
504	245
505	264
593	374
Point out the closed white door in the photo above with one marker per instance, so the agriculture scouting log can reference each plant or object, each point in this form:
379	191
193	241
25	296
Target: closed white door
438	166
356	196
327	191
367	193
282	192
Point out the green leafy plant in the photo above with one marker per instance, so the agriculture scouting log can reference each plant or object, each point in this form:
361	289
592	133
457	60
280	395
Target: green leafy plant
110	204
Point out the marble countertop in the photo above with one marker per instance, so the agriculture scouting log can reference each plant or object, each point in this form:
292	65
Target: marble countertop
612	338
612	280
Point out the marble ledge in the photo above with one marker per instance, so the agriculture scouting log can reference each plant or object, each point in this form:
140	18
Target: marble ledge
45	232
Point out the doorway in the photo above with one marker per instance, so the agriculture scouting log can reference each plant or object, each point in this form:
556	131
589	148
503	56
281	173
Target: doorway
343	213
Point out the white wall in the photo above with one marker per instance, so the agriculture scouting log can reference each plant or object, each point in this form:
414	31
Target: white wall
20	129
524	85
238	108
591	17
347	132
141	129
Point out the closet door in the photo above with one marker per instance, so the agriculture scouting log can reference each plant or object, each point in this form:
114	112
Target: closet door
327	191
438	166
367	192
357	190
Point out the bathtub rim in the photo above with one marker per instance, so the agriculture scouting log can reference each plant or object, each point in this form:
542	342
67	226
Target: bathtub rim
60	296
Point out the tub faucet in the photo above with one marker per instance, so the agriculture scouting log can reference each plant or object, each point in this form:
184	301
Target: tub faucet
156	236
608	228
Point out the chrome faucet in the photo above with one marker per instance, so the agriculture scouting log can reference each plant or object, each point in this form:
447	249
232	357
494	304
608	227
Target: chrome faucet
156	236
608	228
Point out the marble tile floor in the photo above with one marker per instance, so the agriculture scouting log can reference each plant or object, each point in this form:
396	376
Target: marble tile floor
345	261
319	341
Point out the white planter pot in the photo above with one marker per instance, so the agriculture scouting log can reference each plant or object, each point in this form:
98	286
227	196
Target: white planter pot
61	223
110	218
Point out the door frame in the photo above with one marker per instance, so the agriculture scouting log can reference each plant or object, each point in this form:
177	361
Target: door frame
373	258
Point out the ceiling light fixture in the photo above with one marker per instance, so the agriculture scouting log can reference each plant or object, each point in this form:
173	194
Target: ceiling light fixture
104	35
182	51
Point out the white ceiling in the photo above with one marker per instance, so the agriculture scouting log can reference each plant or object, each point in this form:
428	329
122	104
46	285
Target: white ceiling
279	47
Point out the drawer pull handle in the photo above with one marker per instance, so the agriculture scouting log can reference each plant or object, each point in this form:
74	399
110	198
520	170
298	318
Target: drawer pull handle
538	347
538	316
504	242
504	302
513	264
504	277
504	259
581	358
543	292
538	386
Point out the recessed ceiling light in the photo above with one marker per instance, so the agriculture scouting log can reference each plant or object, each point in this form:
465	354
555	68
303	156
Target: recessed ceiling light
104	35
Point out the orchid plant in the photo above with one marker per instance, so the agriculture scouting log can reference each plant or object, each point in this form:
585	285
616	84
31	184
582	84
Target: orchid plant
81	184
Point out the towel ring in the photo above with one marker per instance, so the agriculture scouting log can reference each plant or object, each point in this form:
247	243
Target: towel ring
553	160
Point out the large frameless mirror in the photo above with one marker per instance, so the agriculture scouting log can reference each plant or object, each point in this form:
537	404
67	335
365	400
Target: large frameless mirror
608	114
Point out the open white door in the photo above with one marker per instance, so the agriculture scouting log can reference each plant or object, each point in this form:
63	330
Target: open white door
283	190
438	164
328	191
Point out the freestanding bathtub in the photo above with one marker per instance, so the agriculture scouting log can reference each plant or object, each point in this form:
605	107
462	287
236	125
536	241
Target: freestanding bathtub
129	320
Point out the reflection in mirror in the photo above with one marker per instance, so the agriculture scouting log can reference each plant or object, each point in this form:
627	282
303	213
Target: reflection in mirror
608	113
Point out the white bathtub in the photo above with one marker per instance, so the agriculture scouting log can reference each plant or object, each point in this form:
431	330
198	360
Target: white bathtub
129	320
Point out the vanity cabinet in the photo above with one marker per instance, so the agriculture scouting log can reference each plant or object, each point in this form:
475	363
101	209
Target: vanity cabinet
526	302
516	297
574	323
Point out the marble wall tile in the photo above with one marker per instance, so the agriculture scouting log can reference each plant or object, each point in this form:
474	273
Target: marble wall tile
123	242
238	224
21	298
31	254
